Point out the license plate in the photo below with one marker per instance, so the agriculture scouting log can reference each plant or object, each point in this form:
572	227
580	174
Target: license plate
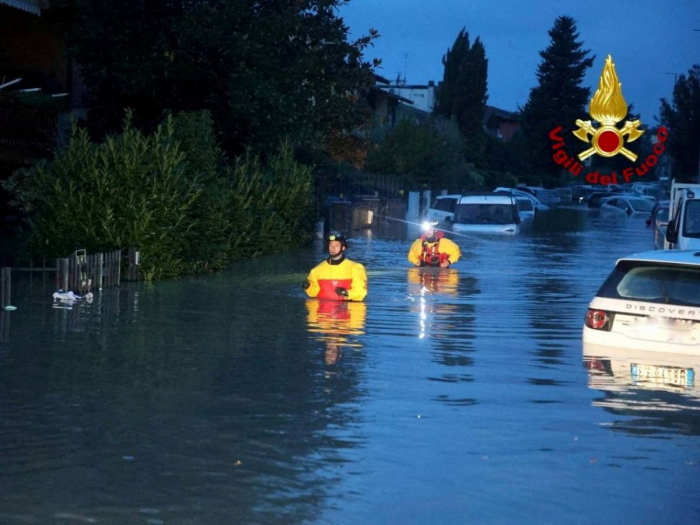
663	375
661	329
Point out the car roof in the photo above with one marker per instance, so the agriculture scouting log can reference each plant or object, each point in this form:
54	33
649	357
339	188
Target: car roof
489	198
666	256
513	191
630	197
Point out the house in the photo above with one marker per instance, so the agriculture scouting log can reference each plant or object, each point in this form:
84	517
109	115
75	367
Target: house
497	122
422	98
388	108
500	123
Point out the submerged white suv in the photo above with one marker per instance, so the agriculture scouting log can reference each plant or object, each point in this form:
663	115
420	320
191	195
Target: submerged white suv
650	301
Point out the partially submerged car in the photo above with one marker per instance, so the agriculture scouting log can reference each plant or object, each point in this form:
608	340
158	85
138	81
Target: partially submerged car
525	208
519	193
442	209
548	197
627	205
487	213
650	301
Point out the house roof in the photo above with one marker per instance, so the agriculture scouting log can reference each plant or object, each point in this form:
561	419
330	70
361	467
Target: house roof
31	6
394	95
492	111
381	79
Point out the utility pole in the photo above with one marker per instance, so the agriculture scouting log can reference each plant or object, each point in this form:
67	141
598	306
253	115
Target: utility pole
698	31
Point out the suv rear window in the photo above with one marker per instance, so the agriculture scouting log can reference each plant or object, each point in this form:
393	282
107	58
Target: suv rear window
653	283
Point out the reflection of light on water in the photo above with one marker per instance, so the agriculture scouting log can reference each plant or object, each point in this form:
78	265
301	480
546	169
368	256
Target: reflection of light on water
423	315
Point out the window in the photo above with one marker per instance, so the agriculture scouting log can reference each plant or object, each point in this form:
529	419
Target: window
445	205
525	204
691	222
642	205
654	283
486	213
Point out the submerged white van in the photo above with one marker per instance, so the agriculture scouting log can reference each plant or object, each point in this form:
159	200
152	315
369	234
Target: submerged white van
487	213
442	209
683	230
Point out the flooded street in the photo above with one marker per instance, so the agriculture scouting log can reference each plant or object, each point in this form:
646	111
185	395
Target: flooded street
453	396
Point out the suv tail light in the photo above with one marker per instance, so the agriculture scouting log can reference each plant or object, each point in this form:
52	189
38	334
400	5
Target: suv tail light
598	319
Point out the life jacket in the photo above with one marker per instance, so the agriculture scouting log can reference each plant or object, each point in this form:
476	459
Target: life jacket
431	255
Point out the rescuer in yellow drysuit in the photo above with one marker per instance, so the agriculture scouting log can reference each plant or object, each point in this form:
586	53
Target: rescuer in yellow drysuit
337	277
433	248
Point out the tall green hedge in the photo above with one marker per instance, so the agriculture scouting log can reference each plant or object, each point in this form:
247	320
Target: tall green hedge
170	194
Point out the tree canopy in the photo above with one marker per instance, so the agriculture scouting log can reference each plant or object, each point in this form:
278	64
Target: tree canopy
682	116
266	70
462	95
423	154
559	98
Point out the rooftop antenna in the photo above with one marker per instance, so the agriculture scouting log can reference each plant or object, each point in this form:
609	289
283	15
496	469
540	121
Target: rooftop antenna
405	60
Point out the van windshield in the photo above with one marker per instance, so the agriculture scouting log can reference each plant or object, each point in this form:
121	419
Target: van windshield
654	283
485	213
691	224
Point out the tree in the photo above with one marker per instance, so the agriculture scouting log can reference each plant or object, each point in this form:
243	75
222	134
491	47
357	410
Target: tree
682	117
427	153
559	98
462	94
265	70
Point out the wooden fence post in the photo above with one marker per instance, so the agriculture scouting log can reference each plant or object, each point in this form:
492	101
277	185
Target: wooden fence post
62	274
5	286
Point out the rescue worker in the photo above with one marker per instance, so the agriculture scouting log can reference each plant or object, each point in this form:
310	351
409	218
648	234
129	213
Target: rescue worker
337	277
433	248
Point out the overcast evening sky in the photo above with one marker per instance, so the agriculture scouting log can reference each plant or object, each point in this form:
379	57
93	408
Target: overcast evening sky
649	41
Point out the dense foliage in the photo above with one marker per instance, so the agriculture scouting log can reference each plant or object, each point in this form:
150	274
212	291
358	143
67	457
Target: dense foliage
682	116
175	200
422	153
266	70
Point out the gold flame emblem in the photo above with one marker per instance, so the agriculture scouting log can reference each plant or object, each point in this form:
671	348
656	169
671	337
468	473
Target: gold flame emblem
608	107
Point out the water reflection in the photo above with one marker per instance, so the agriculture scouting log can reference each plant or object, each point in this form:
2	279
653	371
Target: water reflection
659	390
433	314
4	326
337	324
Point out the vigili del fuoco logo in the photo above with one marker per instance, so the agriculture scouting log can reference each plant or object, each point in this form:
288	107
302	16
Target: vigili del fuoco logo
608	108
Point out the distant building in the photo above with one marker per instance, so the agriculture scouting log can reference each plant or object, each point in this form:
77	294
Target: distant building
388	107
500	123
422	97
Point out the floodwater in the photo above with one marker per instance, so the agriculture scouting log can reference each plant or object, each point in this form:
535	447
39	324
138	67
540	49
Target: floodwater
455	396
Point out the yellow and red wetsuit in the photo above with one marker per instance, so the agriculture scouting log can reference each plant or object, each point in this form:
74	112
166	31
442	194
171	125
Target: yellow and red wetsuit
424	249
344	273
